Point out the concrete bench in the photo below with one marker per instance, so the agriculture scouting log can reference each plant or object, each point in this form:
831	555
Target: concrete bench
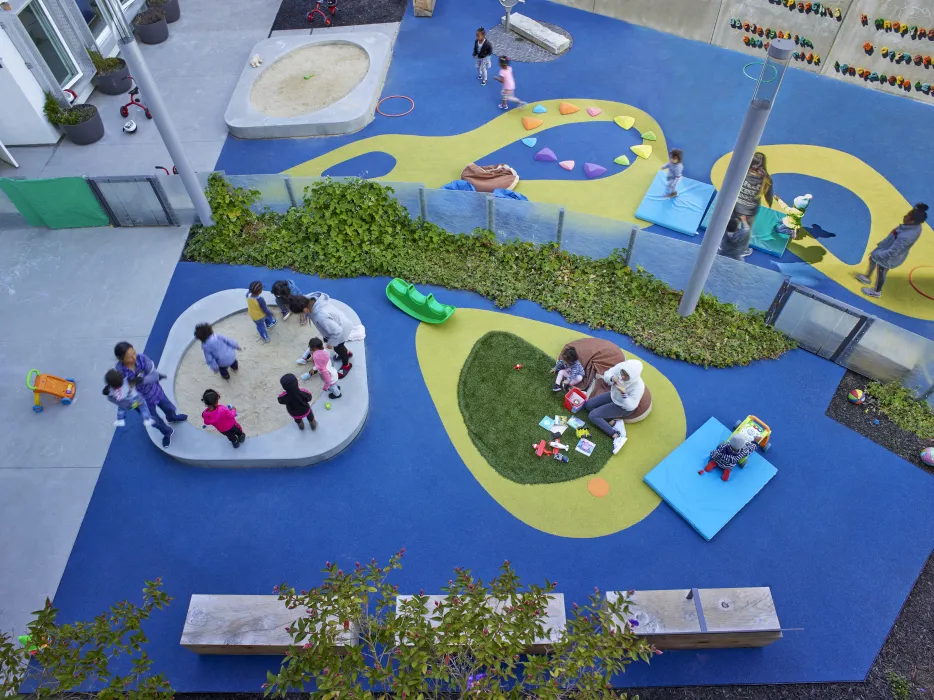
707	618
538	33
555	619
244	625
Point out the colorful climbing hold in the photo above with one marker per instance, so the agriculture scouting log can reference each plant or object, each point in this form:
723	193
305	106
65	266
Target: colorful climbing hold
530	141
592	170
546	155
867	47
649	136
568	108
621	160
643	150
567	164
539	109
624	122
594	111
531	123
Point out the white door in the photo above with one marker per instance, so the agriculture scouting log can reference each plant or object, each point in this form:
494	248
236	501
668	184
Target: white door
7	156
21	120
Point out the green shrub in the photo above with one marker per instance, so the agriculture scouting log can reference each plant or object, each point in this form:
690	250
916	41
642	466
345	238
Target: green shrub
900	405
356	227
52	110
102	65
66	116
899	686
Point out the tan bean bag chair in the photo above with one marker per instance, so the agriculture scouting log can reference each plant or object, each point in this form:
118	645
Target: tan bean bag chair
598	356
486	178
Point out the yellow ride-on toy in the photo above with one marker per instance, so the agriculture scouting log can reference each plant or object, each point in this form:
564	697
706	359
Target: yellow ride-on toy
63	389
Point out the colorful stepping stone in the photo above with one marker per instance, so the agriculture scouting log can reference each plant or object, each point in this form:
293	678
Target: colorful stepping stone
539	109
546	155
567	164
594	111
649	136
625	122
592	170
643	150
531	123
530	142
621	160
568	108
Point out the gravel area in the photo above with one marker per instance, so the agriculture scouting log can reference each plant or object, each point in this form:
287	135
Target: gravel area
293	14
255	388
906	653
519	49
867	421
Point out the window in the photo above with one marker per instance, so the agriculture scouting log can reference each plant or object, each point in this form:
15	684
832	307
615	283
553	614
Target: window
94	17
49	43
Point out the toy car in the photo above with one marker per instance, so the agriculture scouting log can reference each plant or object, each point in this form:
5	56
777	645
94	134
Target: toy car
756	430
63	389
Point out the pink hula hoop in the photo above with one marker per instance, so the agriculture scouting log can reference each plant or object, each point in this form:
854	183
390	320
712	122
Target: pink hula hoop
391	97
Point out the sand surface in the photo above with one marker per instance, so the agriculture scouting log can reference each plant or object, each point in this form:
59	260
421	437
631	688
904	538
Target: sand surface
254	389
332	71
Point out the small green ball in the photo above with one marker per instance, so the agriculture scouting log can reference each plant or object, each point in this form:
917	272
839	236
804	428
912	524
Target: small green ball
328	405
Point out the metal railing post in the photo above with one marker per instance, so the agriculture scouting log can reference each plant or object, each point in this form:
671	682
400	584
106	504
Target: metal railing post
490	214
422	204
560	232
632	244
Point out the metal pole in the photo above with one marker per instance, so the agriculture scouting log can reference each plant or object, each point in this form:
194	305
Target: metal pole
131	53
757	115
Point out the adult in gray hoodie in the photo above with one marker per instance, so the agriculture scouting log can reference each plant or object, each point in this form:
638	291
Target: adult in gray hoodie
892	250
333	326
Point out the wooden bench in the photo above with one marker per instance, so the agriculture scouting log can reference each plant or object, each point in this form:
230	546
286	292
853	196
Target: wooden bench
244	624
555	619
706	618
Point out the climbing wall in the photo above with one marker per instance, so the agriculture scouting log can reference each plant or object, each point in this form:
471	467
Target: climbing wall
692	19
887	45
749	25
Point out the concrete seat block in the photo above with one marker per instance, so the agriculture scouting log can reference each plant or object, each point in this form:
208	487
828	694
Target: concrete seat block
537	33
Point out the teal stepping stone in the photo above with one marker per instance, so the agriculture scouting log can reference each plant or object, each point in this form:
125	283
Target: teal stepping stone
538	109
530	142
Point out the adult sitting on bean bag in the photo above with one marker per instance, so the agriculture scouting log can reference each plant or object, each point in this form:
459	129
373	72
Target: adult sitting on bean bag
623	400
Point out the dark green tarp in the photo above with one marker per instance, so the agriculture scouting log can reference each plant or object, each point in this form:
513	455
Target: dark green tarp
61	202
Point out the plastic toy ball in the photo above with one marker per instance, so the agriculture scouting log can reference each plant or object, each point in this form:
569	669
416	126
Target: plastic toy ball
927	456
328	405
518	367
855	396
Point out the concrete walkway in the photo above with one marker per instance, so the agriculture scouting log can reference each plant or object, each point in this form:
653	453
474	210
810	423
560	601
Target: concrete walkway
66	298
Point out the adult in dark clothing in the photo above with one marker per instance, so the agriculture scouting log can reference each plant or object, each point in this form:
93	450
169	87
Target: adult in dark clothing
141	372
756	187
482	50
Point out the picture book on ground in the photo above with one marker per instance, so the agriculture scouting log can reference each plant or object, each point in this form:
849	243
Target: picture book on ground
585	447
547	422
558	429
561	420
575	422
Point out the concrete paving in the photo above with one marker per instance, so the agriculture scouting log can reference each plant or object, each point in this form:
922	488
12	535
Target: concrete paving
66	298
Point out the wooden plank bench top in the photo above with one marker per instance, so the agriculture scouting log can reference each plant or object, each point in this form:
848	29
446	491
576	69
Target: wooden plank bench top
555	621
704	618
243	624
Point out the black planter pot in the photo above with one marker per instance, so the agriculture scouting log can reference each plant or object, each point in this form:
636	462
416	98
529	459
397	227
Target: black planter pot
86	132
173	12
115	83
154	33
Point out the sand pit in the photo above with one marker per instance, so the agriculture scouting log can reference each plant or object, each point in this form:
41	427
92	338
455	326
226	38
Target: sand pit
309	79
254	389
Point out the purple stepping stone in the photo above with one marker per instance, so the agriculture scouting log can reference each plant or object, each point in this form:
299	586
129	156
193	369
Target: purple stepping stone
593	170
546	155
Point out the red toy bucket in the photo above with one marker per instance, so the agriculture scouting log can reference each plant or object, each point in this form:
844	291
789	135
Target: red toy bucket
574	398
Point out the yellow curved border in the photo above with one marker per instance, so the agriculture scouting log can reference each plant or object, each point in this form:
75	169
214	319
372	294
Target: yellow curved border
886	207
437	160
566	509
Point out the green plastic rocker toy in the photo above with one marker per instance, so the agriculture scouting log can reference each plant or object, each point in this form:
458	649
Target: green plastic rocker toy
425	308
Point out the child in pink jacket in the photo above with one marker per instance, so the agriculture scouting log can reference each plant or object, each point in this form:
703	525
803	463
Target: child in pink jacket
224	418
323	367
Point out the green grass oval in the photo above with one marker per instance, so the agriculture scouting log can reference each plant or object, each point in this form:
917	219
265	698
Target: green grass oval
502	407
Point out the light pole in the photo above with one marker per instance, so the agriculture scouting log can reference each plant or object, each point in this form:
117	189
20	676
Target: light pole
129	49
509	4
770	79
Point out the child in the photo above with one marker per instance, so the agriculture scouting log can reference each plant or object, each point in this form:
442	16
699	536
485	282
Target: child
124	395
509	84
735	243
569	369
333	327
224	418
892	250
791	224
731	453
323	367
297	402
259	312
481	52
219	350
675	167
283	290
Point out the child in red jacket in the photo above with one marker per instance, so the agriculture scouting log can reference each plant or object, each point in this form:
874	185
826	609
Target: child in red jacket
224	418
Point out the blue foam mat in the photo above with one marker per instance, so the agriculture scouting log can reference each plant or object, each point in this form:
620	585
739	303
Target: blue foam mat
682	213
764	236
707	502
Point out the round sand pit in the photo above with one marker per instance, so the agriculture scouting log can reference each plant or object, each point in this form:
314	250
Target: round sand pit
255	388
309	79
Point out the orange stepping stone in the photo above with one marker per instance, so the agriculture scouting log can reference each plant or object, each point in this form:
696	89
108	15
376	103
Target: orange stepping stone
598	487
531	123
568	108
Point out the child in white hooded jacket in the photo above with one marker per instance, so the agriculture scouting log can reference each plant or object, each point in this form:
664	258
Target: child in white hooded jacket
333	326
626	390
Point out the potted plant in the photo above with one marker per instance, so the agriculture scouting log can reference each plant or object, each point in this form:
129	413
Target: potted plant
112	76
151	27
82	124
172	11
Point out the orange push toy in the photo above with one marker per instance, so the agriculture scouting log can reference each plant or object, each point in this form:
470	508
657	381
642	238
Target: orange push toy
63	389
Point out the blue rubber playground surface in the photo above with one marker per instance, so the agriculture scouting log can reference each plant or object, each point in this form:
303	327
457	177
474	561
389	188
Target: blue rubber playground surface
843	521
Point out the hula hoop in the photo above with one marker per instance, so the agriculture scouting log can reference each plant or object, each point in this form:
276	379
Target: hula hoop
390	97
757	63
911	282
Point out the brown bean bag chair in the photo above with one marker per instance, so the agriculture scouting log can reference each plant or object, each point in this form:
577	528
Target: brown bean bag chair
598	356
486	178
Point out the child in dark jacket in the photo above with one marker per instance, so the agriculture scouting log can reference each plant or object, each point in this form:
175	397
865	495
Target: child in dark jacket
297	402
730	454
224	418
283	290
481	53
120	392
219	350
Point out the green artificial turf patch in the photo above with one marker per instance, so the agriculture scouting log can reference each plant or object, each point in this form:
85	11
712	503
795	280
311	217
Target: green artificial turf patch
502	407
